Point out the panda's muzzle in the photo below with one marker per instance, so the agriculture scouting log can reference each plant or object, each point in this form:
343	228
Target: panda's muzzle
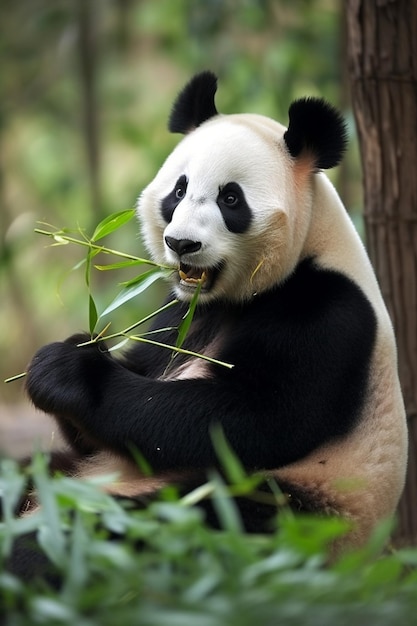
189	275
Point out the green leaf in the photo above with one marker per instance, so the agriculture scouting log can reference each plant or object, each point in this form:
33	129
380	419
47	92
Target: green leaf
51	535
163	273
230	463
225	506
112	223
140	460
60	241
184	327
122	265
77	570
78	265
119	345
92	309
135	287
92	313
12	485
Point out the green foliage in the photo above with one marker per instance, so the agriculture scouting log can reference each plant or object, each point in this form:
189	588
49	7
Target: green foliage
167	567
132	288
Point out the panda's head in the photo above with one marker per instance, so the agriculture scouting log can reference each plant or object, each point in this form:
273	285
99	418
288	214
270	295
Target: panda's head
232	204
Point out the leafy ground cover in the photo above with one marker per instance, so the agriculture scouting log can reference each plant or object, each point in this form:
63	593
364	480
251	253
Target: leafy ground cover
168	568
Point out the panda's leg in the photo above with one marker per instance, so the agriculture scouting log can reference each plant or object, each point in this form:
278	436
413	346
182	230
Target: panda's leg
65	461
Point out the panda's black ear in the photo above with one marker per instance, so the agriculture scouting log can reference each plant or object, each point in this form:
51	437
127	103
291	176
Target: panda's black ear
194	104
316	127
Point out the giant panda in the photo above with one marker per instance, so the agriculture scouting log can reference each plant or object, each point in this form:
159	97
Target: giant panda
288	296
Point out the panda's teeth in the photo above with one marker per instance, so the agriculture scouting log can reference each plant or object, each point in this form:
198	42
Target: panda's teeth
183	275
193	279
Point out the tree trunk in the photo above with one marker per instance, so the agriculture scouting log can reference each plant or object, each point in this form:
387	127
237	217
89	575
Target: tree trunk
382	56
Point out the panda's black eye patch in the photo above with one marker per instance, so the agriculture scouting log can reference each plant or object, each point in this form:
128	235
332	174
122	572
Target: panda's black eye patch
172	200
234	208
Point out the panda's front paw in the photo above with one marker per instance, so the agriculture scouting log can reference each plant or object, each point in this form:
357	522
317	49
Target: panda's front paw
67	379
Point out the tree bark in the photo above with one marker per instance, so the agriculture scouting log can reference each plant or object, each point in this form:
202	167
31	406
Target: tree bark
382	57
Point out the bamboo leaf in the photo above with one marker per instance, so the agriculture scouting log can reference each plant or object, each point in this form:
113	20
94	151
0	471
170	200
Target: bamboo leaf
92	313
77	569
225	507
119	345
184	327
78	265
51	536
135	287
59	240
112	223
230	463
163	273
92	309
122	265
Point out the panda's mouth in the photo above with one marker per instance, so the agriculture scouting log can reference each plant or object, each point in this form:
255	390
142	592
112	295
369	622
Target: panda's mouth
191	276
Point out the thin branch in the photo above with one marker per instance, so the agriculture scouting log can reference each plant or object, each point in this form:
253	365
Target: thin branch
67	239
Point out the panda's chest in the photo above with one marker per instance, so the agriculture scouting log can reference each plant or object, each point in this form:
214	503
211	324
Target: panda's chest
205	339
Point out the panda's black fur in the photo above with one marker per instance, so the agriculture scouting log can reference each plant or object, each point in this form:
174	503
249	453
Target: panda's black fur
313	396
129	401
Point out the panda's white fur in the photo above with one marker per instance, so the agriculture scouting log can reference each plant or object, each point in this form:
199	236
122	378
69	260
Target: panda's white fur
233	147
294	215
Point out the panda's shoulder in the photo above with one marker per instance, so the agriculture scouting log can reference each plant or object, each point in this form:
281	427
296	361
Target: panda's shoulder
314	297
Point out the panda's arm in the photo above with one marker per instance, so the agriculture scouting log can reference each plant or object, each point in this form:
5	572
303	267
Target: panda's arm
302	362
168	421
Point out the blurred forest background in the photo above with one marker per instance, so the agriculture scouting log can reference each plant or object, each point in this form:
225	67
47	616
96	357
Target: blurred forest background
86	88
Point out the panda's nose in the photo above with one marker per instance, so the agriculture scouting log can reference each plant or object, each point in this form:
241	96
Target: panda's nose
182	246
